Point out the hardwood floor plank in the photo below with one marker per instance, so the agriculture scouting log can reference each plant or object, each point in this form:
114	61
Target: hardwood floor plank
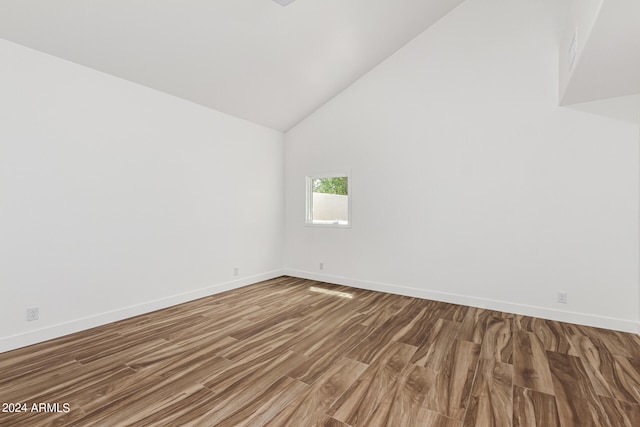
380	340
454	312
607	376
625	379
360	401
267	340
254	384
344	333
553	336
534	409
523	323
473	325
451	393
531	368
497	342
621	414
266	404
120	349
133	406
418	416
380	308
631	412
432	353
29	386
327	421
157	359
317	400
148	331
404	406
291	313
210	330
491	400
248	375
40	359
421	325
189	406
618	343
433	419
319	362
577	401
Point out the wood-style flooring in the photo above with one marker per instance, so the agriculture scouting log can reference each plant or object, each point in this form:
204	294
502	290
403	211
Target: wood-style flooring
281	353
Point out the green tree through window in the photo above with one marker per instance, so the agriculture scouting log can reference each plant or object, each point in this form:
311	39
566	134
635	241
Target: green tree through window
335	185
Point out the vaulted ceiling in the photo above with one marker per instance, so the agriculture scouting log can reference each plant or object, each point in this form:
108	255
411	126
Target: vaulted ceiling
253	59
274	65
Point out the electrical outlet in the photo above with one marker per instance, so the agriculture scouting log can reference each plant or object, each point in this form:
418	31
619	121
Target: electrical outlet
322	266
562	297
236	271
33	313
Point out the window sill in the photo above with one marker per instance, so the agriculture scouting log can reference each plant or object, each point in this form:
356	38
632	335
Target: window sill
328	224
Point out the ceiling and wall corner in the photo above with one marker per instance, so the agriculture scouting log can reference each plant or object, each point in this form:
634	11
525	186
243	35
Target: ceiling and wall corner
252	59
623	108
607	64
575	31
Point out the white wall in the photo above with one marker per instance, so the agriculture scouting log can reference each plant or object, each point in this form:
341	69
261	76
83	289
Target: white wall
494	195
116	199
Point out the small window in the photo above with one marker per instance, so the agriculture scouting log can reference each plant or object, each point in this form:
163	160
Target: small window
328	201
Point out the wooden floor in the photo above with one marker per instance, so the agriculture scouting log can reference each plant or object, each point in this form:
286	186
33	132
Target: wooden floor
280	353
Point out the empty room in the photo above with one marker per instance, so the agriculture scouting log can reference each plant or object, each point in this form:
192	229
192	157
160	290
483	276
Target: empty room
320	213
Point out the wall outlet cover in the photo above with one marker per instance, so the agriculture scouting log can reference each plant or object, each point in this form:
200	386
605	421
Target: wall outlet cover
33	313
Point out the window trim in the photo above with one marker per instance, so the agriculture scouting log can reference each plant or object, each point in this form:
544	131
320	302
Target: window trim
308	220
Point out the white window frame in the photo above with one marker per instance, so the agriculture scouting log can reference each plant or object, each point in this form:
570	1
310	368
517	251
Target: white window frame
309	200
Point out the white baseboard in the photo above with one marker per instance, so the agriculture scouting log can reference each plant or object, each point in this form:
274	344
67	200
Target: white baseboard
508	307
39	335
32	337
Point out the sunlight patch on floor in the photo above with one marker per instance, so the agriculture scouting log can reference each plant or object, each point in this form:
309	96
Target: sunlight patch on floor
330	292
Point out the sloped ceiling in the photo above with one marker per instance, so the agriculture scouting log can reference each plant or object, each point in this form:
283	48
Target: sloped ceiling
609	64
253	59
